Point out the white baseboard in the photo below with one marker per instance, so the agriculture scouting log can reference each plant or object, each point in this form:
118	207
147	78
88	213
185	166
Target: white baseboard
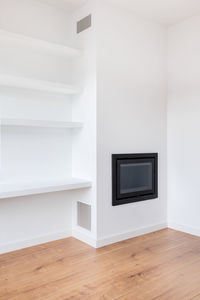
21	244
84	236
184	228
128	235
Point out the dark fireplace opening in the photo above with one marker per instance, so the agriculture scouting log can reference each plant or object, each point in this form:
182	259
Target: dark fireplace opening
134	177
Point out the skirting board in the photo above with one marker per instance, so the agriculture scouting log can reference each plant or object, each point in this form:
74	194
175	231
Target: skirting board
21	244
184	228
81	235
84	236
128	235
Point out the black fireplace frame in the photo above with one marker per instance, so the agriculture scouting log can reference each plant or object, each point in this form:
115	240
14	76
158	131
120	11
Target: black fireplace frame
116	158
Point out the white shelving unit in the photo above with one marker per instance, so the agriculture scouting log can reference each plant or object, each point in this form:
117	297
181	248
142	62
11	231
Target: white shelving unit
40	123
13	188
19	189
40	85
40	44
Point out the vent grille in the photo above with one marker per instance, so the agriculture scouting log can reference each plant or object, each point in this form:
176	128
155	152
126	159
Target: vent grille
84	24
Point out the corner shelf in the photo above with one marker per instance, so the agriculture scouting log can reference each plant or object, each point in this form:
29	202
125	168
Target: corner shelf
40	44
40	85
40	123
19	189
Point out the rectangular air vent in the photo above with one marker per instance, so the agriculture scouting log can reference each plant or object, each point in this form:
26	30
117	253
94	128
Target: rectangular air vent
84	24
84	215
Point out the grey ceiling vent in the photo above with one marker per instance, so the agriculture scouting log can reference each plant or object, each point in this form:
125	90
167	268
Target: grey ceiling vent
84	24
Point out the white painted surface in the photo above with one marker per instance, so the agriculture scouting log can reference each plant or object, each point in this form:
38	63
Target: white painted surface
21	244
53	153
184	228
27	41
67	5
27	151
184	124
128	235
131	112
84	109
35	84
37	20
40	123
84	236
123	108
166	12
17	189
34	219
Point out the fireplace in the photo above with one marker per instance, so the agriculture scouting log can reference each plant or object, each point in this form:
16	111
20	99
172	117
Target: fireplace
134	177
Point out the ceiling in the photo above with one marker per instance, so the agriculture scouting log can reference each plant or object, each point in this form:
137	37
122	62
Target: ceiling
166	12
163	11
69	5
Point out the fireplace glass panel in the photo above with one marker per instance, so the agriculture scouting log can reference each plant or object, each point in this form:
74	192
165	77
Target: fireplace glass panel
135	177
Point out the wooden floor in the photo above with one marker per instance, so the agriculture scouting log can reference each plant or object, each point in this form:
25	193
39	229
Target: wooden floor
164	265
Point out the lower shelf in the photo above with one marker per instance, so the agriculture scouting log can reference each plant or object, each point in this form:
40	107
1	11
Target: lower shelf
39	123
18	189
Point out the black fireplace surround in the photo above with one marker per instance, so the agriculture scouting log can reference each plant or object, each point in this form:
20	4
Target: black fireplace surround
134	177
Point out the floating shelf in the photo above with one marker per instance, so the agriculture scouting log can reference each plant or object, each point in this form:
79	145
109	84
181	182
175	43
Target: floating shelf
34	84
40	123
19	189
41	44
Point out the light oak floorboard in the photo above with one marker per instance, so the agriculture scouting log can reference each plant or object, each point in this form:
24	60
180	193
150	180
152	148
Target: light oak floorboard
162	265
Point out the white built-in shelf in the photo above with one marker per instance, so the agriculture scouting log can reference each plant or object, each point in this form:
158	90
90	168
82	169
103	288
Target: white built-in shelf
40	123
19	189
40	85
40	44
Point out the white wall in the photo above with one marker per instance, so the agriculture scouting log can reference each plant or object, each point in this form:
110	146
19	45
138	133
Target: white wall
183	125
29	152
131	113
124	108
35	19
84	109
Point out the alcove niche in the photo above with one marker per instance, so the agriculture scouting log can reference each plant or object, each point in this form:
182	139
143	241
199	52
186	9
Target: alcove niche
47	140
